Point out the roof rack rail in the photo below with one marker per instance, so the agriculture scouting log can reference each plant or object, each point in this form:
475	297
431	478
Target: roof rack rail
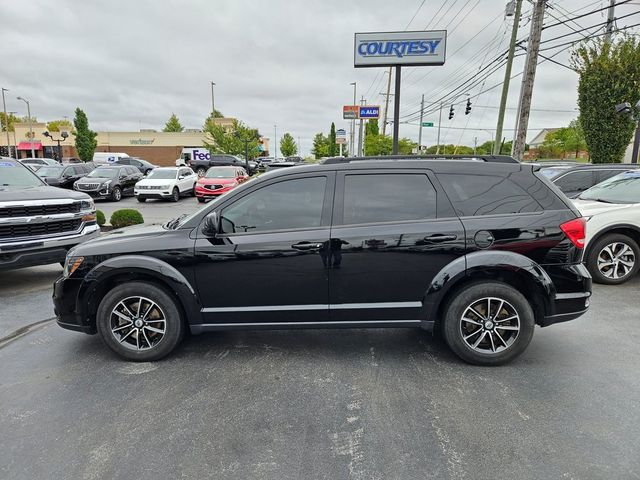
481	158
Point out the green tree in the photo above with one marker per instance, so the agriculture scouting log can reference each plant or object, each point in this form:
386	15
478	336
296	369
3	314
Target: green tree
378	145
562	141
231	140
209	119
59	125
3	121
406	146
288	145
320	146
609	75
86	142
173	124
371	127
333	147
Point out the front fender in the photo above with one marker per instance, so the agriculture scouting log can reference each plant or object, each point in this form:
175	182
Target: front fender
488	264
139	267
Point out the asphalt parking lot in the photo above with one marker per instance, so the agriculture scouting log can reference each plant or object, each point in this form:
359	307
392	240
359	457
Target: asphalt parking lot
153	211
325	404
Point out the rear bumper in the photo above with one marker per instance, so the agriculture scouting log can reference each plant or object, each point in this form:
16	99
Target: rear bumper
573	292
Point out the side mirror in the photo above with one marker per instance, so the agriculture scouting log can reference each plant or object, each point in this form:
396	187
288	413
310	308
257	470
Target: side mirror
181	177
210	227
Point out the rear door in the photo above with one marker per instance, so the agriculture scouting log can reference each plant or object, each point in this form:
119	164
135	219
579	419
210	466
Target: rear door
392	232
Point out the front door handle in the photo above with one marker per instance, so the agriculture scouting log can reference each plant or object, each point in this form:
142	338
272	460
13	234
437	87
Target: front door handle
439	237
307	246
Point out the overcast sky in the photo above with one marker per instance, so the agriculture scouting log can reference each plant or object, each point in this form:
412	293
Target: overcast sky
130	64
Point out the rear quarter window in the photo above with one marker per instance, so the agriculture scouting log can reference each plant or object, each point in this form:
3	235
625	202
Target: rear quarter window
474	195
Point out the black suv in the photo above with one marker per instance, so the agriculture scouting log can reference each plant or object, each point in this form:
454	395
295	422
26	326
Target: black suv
142	165
63	176
480	250
110	182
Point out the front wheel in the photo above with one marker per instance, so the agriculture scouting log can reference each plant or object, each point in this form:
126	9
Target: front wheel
139	321
613	259
142	199
201	199
488	323
116	194
175	195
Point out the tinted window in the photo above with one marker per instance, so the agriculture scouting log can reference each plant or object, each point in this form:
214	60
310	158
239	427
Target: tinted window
602	175
185	172
279	206
124	161
486	195
575	181
78	170
136	163
376	198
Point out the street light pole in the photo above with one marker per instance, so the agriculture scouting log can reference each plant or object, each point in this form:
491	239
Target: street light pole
6	122
15	144
33	153
213	102
63	136
275	143
353	125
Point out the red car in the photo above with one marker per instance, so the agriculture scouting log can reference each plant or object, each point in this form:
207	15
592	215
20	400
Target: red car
219	180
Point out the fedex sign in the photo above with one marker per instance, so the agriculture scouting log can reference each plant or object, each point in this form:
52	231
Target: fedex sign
400	48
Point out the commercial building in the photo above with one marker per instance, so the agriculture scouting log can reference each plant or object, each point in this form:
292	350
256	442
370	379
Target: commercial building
161	148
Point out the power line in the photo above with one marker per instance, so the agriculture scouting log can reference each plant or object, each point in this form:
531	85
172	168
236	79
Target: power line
586	14
414	15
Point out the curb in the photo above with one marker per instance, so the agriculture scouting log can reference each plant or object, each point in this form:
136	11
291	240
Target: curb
22	331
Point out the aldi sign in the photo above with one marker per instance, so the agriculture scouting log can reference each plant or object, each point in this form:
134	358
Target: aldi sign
369	112
385	49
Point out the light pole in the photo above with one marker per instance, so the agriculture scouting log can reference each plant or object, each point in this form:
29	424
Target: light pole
353	124
213	102
33	153
275	143
15	144
64	136
6	121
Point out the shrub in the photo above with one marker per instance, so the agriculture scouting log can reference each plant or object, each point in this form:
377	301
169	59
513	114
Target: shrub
100	217
126	217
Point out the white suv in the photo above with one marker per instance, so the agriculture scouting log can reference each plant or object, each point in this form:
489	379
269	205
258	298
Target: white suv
166	183
612	209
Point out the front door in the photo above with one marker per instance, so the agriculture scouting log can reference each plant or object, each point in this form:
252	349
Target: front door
268	264
393	231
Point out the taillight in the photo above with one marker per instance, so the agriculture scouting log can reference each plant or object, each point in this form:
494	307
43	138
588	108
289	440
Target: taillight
575	230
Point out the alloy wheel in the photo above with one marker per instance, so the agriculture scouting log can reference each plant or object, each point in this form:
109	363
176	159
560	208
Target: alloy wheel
490	325
616	260
138	323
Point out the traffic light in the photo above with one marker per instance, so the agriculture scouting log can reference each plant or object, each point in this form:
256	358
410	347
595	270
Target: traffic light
467	110
451	112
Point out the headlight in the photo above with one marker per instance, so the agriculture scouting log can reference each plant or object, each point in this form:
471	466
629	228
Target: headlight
107	183
164	187
71	264
87	205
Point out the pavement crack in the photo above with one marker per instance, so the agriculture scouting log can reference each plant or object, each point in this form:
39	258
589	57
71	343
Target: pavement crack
22	331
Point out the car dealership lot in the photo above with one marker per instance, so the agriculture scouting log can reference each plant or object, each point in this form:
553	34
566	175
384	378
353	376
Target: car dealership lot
319	403
153	211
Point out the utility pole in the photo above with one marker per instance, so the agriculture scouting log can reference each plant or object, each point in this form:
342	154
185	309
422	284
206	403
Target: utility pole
360	132
352	144
475	144
396	111
507	75
386	103
6	124
610	19
275	143
213	103
528	78
420	131
439	122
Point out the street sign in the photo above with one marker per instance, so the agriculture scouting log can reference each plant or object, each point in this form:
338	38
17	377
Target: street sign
341	140
369	111
350	112
341	136
427	124
385	49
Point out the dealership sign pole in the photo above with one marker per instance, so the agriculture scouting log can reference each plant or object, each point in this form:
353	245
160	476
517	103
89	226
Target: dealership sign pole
395	49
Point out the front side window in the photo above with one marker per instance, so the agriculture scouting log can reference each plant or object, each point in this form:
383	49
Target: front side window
376	198
104	173
575	181
286	205
474	195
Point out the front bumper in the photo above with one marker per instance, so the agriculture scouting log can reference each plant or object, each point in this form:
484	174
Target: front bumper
43	250
158	194
65	296
205	192
573	292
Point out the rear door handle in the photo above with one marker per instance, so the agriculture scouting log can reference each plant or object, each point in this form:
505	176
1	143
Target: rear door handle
439	237
307	246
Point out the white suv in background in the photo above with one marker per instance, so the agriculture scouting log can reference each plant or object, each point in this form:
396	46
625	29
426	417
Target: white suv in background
612	244
167	183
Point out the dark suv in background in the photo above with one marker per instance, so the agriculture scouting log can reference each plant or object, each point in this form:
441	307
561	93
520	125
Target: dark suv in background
64	176
200	166
110	182
575	179
479	249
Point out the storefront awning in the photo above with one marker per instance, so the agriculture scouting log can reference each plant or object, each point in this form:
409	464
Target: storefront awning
27	146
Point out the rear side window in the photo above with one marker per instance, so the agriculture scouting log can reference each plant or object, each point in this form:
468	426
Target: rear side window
474	195
376	198
575	181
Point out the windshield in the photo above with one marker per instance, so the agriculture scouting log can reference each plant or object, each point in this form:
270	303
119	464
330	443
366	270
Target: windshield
104	173
13	175
162	174
221	173
50	171
550	172
623	188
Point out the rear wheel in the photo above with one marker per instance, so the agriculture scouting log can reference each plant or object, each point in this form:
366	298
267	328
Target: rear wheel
613	259
201	171
488	323
139	321
175	195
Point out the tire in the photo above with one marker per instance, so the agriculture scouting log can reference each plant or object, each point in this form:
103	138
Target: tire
148	171
142	199
193	191
613	259
116	194
142	343
510	339
201	171
175	194
201	199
